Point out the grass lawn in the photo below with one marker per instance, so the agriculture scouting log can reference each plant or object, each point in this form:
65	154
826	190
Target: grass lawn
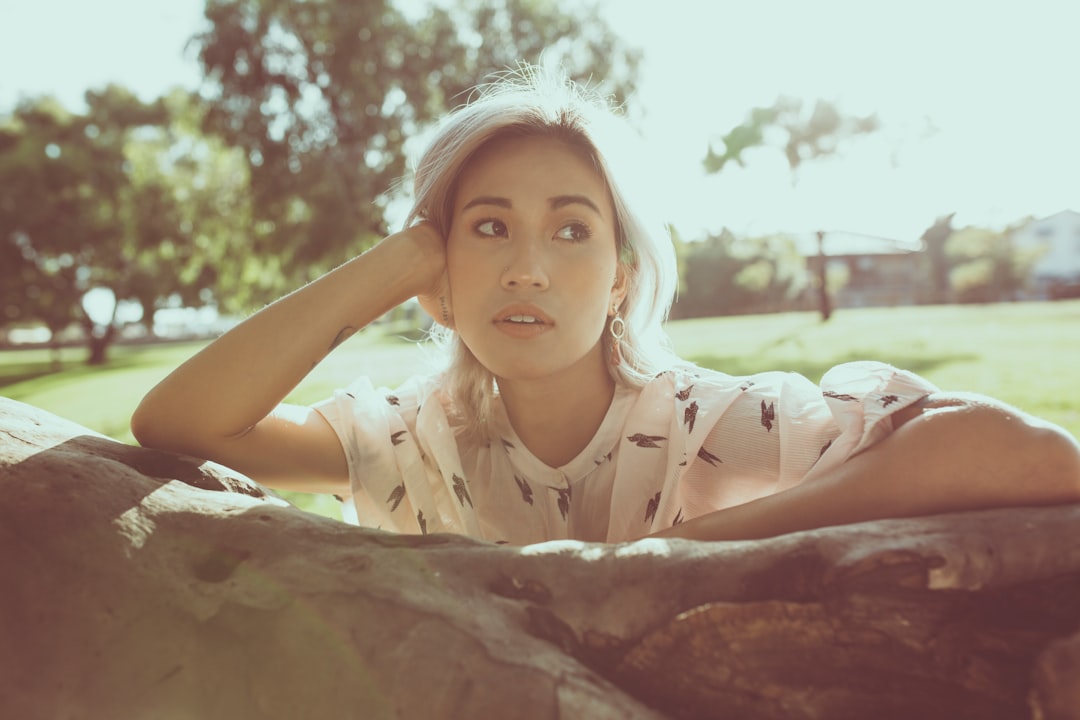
103	398
1023	353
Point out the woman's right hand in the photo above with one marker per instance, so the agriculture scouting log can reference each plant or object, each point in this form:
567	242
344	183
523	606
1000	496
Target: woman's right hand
433	283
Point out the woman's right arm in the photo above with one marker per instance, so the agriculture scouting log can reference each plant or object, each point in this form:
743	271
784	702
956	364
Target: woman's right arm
224	403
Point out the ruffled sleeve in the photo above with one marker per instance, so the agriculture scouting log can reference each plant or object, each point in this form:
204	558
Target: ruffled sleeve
862	398
404	468
734	439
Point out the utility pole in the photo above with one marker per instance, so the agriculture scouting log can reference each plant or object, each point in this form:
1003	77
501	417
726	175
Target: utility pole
824	303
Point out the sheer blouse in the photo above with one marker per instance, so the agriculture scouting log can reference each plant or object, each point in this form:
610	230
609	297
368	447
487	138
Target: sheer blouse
690	442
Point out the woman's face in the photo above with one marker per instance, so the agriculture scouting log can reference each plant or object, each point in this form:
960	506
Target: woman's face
532	260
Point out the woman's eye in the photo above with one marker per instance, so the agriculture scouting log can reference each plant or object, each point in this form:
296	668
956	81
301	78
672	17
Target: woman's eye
493	228
574	231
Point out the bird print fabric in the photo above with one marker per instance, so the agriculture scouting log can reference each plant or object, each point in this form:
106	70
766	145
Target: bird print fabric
689	442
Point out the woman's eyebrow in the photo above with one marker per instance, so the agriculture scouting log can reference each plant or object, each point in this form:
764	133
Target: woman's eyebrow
488	200
562	200
555	202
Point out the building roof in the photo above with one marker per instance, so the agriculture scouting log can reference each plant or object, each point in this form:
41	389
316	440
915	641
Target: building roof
840	243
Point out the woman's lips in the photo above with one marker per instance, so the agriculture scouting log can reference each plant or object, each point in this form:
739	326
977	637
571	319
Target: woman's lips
522	321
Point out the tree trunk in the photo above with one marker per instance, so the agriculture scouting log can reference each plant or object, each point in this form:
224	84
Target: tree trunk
824	302
141	584
149	309
934	240
98	341
55	362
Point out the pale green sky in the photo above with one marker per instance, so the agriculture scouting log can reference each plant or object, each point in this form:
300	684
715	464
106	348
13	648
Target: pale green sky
976	98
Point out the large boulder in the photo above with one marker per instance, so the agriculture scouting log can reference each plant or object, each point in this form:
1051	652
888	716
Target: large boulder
141	584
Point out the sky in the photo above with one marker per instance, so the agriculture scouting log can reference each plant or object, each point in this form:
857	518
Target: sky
977	100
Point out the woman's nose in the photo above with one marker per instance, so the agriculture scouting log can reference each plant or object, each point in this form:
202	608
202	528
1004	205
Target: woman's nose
526	269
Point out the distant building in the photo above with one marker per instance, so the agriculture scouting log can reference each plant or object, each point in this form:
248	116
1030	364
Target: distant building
874	271
1056	239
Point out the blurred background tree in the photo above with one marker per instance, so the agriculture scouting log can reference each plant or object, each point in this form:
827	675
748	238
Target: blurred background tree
986	266
729	275
186	203
324	97
803	135
936	259
284	164
63	179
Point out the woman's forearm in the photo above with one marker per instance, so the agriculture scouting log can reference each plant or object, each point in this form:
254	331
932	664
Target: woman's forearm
242	376
953	456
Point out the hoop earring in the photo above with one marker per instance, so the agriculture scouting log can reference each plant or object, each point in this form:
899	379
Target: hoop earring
617	328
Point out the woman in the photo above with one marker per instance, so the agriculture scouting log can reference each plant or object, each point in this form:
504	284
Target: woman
562	412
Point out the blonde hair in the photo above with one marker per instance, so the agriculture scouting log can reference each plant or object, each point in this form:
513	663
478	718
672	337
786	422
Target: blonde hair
533	103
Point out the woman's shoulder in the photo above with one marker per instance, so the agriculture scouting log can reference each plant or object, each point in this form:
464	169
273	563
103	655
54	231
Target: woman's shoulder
845	388
856	376
693	379
404	399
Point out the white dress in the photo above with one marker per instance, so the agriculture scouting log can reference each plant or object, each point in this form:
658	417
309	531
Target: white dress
688	443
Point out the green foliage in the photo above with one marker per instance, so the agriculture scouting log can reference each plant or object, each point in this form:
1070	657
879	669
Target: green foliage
805	135
62	182
128	196
727	275
187	202
322	98
282	167
985	265
740	138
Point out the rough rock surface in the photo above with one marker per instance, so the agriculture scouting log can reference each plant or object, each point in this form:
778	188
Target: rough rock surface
140	584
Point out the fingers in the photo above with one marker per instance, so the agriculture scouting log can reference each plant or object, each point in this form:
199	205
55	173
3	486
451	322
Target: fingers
426	235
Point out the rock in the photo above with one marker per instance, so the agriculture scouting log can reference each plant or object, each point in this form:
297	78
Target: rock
141	584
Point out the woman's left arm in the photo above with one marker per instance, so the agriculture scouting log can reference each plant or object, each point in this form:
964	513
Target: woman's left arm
948	452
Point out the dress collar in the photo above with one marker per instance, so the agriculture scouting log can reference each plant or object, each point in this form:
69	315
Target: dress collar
598	451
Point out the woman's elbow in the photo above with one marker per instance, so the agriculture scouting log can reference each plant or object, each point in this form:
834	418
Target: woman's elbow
143	427
1059	464
149	428
1045	456
1012	456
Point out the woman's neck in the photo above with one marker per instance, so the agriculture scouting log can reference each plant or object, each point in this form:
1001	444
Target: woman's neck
556	419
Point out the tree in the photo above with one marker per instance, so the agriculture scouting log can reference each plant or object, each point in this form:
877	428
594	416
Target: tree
727	275
934	240
186	201
804	137
973	264
61	176
129	197
820	279
323	98
985	265
46	293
